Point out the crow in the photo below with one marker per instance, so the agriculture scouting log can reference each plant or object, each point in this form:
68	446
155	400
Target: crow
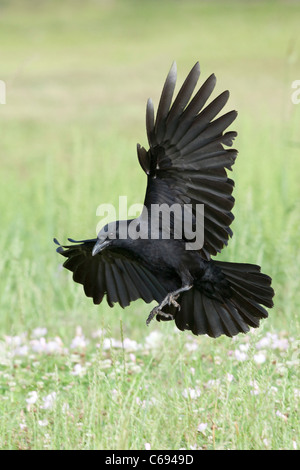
186	166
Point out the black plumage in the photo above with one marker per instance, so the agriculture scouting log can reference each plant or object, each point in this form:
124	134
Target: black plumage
185	165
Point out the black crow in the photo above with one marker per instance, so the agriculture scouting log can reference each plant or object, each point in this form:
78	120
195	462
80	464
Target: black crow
185	166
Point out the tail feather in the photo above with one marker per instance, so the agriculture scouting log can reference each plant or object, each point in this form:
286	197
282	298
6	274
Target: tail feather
228	314
216	327
237	267
253	292
201	324
231	322
238	320
186	303
248	285
255	285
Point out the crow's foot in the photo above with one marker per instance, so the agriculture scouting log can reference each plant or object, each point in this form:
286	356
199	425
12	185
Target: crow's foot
156	311
170	299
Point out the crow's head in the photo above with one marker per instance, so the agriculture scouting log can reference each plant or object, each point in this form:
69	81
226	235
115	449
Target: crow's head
112	231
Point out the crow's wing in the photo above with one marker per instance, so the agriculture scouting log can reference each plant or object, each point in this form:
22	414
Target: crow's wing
186	162
111	273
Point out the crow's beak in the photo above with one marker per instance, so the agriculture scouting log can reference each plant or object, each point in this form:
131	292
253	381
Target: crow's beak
99	246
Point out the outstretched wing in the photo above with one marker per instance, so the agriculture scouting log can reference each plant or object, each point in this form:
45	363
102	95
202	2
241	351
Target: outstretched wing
110	273
186	162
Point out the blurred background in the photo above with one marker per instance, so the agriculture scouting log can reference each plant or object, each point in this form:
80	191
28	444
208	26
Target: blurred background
78	75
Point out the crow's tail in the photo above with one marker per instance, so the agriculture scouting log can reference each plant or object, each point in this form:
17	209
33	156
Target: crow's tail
233	308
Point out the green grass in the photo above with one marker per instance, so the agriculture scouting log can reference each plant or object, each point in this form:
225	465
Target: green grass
78	76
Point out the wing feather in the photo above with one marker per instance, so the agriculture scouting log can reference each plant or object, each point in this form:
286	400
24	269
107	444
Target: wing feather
112	273
187	159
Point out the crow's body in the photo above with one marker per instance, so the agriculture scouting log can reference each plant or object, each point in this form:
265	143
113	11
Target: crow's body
185	164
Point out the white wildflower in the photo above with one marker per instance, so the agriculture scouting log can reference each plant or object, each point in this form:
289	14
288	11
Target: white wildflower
99	333
43	422
191	346
280	343
297	393
145	403
111	343
32	398
272	340
132	357
281	415
105	364
21	351
78	370
40	345
54	346
255	386
154	340
130	344
295	447
259	358
49	401
202	427
65	407
263	343
15	340
141	403
79	342
240	355
135	368
191	393
38	332
213	383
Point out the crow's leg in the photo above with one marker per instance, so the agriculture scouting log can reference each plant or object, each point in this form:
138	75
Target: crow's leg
168	300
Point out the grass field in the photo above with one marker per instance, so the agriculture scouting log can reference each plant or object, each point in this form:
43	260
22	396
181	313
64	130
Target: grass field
78	376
